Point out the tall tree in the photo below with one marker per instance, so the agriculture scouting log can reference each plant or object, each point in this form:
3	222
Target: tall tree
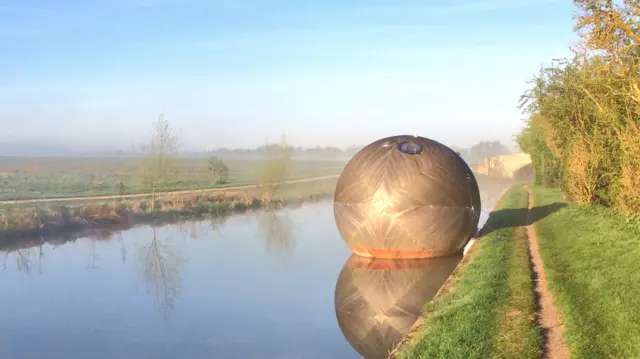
218	170
275	167
160	156
583	131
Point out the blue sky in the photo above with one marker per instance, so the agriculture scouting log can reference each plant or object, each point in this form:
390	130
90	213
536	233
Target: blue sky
94	74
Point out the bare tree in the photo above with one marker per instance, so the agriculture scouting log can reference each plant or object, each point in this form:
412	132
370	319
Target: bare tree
160	155
275	168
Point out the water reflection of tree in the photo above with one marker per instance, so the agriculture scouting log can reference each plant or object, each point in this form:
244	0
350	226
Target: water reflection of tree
277	230
216	222
196	229
40	257
161	264
123	249
95	257
24	259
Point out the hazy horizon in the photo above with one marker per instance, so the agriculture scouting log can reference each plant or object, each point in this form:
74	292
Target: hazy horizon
94	75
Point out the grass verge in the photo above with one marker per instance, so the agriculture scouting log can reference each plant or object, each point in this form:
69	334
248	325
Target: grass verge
488	310
591	259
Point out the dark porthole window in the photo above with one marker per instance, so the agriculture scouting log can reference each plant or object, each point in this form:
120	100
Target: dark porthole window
410	148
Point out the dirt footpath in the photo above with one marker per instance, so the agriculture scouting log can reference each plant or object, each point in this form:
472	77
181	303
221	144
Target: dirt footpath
548	317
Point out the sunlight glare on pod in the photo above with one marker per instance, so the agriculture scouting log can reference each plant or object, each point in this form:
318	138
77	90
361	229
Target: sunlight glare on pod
406	197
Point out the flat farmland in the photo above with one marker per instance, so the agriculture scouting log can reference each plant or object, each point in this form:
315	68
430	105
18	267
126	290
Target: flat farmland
35	178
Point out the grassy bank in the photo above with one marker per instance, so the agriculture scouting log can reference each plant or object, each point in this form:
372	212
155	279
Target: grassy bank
591	259
25	221
488	307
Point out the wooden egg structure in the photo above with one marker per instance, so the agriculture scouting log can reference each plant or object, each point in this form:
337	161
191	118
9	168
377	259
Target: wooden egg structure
406	197
377	301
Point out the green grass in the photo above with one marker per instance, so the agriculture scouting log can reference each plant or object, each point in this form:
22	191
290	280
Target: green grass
488	311
306	189
518	335
592	261
25	178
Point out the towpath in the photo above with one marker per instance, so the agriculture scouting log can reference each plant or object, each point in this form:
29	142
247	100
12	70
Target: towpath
548	317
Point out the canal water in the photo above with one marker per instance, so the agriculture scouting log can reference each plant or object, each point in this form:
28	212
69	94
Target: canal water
257	285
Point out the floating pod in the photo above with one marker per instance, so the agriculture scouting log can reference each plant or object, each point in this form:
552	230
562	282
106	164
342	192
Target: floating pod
406	197
378	300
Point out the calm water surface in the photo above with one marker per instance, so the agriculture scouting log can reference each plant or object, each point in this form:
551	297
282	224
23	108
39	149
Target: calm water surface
260	285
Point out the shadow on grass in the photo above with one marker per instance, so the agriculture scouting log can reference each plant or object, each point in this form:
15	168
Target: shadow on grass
516	217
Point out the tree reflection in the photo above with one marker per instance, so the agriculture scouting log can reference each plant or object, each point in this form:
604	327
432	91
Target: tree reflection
196	229
161	264
95	257
216	222
123	249
277	231
40	257
24	259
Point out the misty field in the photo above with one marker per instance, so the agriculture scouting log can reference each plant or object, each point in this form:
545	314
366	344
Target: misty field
32	178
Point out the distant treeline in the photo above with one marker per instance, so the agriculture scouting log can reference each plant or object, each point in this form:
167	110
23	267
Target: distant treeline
474	154
320	151
296	151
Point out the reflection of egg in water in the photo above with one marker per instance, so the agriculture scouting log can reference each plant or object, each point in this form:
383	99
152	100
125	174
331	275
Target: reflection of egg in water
406	197
378	300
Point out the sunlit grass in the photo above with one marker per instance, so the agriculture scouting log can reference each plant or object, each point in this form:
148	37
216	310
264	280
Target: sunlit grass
488	310
591	257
